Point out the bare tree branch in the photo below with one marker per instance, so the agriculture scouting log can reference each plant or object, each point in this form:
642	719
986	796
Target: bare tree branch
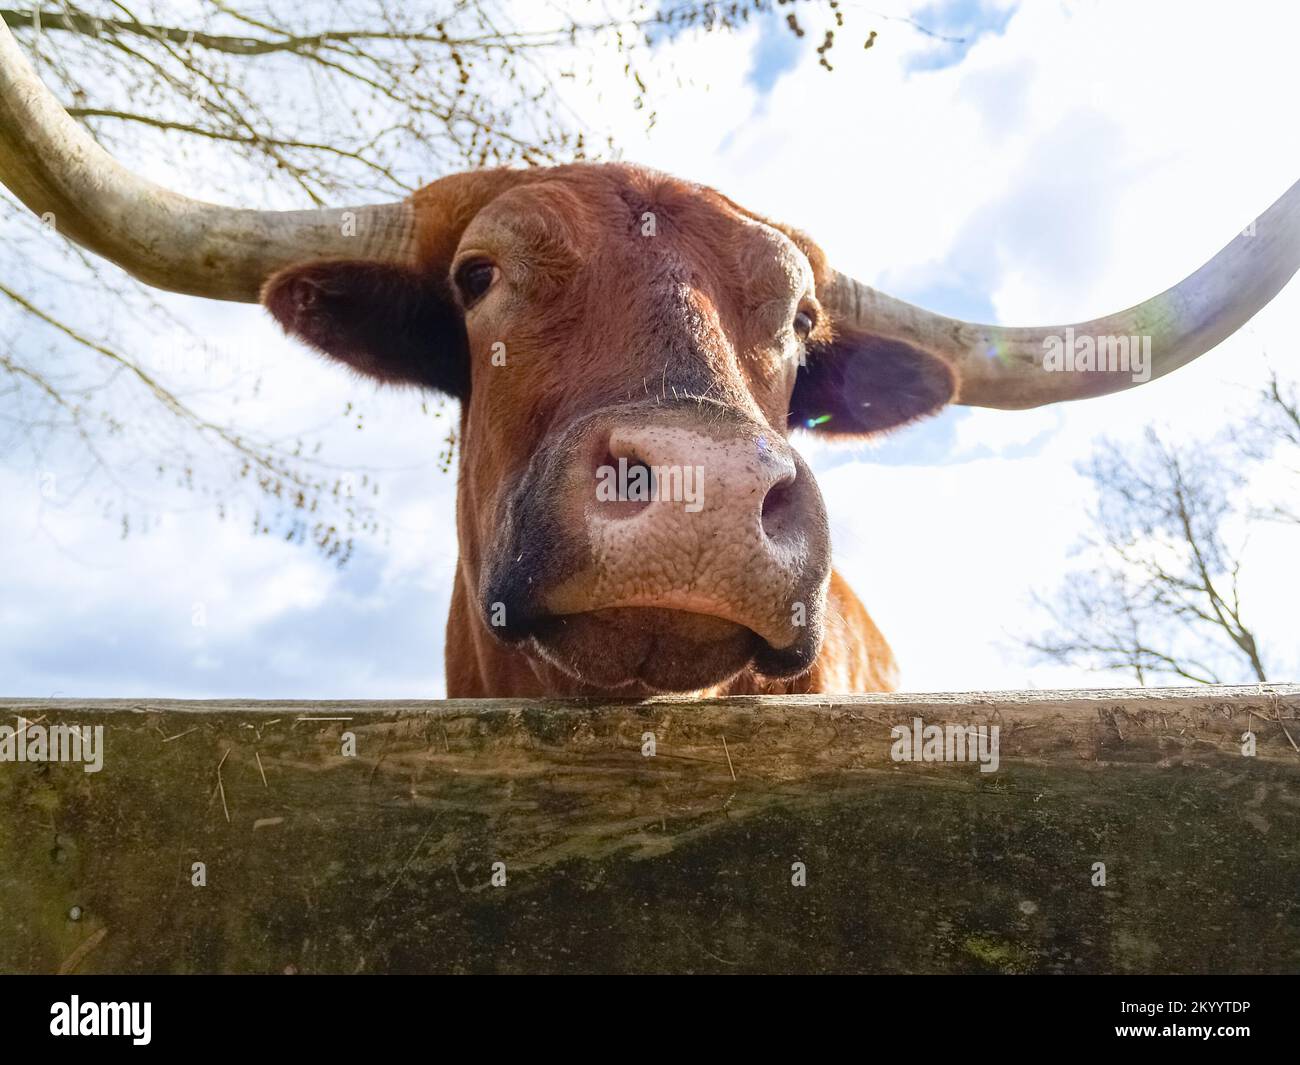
1165	597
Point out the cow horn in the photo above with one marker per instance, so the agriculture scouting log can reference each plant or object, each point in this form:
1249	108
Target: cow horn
1004	367
163	239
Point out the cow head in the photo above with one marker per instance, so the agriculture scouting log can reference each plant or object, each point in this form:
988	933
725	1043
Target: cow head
630	352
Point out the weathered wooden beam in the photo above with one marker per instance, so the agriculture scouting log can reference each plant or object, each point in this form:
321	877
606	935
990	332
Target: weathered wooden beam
687	859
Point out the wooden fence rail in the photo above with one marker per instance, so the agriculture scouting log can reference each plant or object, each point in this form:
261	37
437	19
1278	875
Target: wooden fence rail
1150	830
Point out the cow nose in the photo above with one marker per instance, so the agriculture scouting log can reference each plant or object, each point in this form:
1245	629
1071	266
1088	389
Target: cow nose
704	515
679	468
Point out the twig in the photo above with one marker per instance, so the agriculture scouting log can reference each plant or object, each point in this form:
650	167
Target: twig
88	944
221	787
1286	733
179	735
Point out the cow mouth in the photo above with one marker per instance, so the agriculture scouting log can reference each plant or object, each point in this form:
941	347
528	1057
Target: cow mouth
658	649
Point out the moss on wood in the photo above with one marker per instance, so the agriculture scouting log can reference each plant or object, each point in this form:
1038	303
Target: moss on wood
617	862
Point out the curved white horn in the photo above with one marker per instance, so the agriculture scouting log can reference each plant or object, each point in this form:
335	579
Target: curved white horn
1005	367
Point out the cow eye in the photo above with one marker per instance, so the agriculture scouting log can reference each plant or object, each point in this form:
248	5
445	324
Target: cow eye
803	325
474	278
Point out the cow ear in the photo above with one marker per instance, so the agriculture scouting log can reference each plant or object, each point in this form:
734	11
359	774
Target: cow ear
389	322
856	384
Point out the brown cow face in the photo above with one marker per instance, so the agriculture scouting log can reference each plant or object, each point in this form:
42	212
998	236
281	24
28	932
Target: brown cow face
628	350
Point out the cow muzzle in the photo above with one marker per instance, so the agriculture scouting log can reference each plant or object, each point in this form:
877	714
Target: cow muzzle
664	548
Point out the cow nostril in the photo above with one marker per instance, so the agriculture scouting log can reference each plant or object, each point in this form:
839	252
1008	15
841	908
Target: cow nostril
778	509
624	485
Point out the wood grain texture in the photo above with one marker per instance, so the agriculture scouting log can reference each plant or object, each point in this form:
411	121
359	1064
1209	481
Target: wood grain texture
617	862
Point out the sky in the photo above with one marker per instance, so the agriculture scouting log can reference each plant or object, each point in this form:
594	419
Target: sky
1058	162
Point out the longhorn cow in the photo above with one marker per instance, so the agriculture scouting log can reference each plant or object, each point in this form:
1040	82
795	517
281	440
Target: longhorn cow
604	326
